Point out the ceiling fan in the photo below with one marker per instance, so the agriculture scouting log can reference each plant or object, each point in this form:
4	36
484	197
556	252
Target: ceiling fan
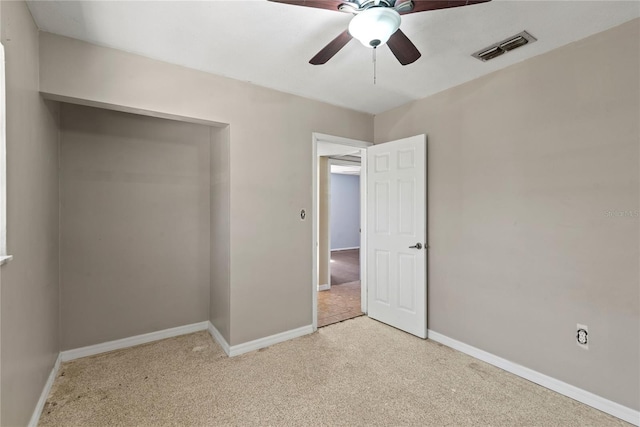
375	23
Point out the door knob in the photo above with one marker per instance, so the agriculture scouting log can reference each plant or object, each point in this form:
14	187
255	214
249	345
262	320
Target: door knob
416	246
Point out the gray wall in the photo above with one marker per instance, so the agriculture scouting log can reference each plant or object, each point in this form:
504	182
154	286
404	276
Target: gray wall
345	211
220	298
135	223
270	164
29	298
525	165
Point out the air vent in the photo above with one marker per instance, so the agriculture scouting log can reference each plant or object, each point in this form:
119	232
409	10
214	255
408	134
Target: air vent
504	46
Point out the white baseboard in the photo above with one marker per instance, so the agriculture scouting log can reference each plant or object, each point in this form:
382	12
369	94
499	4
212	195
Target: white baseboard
624	413
345	249
246	347
627	414
217	336
45	393
91	350
324	287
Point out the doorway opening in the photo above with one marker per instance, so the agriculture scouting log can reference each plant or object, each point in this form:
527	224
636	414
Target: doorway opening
339	229
393	241
340	298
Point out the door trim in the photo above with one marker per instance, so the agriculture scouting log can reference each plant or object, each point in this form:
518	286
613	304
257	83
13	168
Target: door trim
315	139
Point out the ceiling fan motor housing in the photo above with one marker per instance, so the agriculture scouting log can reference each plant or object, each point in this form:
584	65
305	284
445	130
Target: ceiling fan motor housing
365	4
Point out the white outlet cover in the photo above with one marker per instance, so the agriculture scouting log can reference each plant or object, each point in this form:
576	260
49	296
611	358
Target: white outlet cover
586	328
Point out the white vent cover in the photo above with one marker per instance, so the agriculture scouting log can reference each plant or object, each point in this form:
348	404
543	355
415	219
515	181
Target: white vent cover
504	46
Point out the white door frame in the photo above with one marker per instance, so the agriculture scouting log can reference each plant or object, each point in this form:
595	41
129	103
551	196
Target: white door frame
315	139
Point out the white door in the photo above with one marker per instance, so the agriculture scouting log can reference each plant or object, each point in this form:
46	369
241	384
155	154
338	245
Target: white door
396	223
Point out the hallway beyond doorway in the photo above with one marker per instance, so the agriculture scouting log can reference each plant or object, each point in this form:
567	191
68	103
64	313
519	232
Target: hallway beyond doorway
345	266
342	300
339	303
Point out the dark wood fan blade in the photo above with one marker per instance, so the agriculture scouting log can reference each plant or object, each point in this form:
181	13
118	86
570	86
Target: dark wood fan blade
327	52
402	48
320	4
424	5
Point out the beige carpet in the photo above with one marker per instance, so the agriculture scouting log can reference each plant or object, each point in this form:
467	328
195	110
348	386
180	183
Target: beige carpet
358	372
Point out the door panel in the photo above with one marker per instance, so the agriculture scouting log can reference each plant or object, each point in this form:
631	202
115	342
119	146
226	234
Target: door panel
396	201
382	263
406	282
406	196
382	207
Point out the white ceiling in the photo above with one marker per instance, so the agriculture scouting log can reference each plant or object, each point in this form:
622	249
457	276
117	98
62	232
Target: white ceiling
346	169
270	44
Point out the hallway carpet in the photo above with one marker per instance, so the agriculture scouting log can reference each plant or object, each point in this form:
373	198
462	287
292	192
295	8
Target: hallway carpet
339	303
355	373
345	266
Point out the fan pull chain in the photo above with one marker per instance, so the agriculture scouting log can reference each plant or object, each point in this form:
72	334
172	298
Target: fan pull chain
374	65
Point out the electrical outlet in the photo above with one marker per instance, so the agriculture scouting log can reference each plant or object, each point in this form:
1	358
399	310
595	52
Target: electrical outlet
582	336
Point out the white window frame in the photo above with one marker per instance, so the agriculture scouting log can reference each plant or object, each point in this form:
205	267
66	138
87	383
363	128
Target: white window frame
4	256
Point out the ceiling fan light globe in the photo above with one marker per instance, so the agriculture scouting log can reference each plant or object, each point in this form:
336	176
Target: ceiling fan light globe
374	26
